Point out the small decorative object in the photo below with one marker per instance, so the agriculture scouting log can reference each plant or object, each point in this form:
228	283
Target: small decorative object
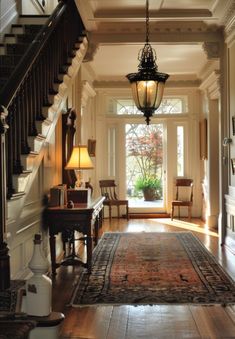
233	165
70	204
91	144
233	124
38	287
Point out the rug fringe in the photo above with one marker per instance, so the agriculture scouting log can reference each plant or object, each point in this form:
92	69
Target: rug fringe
152	305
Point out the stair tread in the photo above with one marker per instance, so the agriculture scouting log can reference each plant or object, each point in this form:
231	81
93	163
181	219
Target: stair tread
31	153
34	16
17	195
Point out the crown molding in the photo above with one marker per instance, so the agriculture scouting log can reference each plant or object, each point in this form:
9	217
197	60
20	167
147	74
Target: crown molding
212	49
124	84
139	14
228	21
164	32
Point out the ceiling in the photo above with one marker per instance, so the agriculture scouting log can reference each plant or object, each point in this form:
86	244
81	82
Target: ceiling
116	31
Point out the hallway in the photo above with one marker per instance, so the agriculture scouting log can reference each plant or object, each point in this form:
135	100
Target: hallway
152	322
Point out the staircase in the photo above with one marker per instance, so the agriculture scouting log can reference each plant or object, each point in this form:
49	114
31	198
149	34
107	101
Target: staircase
17	42
36	103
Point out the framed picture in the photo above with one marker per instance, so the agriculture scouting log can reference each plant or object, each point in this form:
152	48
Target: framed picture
233	124
203	139
233	165
91	147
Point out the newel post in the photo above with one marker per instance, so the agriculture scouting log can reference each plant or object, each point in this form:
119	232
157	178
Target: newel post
4	256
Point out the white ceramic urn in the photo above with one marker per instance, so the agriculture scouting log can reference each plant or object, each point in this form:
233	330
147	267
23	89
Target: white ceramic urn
39	286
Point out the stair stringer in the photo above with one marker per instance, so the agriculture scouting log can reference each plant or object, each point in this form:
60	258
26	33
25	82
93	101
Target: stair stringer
21	216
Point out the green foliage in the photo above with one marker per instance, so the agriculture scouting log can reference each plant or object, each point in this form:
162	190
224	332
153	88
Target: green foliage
143	183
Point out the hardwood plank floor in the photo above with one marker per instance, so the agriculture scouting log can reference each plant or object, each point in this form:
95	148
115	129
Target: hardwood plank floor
152	322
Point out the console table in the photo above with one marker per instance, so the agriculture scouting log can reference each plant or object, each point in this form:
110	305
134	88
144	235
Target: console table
85	218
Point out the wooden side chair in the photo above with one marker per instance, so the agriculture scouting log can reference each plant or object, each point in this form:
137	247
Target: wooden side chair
184	196
108	190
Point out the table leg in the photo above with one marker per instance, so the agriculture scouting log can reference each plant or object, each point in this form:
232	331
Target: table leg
53	255
89	253
96	230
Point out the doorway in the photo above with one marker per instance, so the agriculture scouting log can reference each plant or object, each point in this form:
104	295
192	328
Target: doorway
145	173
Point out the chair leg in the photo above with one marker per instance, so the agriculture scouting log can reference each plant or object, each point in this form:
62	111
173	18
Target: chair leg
110	212
127	212
172	212
189	213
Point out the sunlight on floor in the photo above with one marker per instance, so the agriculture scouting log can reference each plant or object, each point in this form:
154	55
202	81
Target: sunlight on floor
188	226
138	225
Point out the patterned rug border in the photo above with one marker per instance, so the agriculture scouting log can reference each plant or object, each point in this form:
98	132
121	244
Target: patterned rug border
96	251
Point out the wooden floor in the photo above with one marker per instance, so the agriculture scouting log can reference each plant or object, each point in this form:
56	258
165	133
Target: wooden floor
159	321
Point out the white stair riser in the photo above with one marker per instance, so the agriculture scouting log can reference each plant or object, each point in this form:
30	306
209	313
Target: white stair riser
27	161
17	30
33	21
10	40
20	182
43	127
35	144
2	50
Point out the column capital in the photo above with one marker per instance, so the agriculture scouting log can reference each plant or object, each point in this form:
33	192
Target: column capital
212	49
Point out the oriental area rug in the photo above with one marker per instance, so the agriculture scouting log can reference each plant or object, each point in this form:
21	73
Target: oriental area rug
153	268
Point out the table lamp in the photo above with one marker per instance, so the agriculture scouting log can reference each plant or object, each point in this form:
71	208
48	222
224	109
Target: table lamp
79	160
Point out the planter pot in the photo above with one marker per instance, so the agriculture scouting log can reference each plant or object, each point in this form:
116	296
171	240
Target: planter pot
149	194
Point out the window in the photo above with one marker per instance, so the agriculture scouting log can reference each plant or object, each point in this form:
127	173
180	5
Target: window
111	151
180	151
169	105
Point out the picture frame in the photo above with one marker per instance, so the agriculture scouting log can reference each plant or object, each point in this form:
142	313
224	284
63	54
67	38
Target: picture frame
91	145
233	165
233	124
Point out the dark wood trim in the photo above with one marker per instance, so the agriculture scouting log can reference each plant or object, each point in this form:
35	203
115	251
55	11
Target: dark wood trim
4	256
68	132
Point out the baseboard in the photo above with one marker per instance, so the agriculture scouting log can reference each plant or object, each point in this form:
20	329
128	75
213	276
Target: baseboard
148	215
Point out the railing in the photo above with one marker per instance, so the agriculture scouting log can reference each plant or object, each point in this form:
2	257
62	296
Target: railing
29	86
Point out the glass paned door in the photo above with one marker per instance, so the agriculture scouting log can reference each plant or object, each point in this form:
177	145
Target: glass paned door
144	167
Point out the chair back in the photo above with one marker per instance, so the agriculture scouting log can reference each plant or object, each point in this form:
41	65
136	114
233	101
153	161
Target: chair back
108	189
184	189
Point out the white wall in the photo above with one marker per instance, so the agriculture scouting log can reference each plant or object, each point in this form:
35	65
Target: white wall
24	217
32	7
230	197
8	16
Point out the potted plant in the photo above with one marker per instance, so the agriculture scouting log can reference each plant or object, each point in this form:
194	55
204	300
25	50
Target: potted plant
151	187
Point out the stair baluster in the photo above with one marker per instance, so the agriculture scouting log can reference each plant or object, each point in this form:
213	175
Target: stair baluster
9	154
